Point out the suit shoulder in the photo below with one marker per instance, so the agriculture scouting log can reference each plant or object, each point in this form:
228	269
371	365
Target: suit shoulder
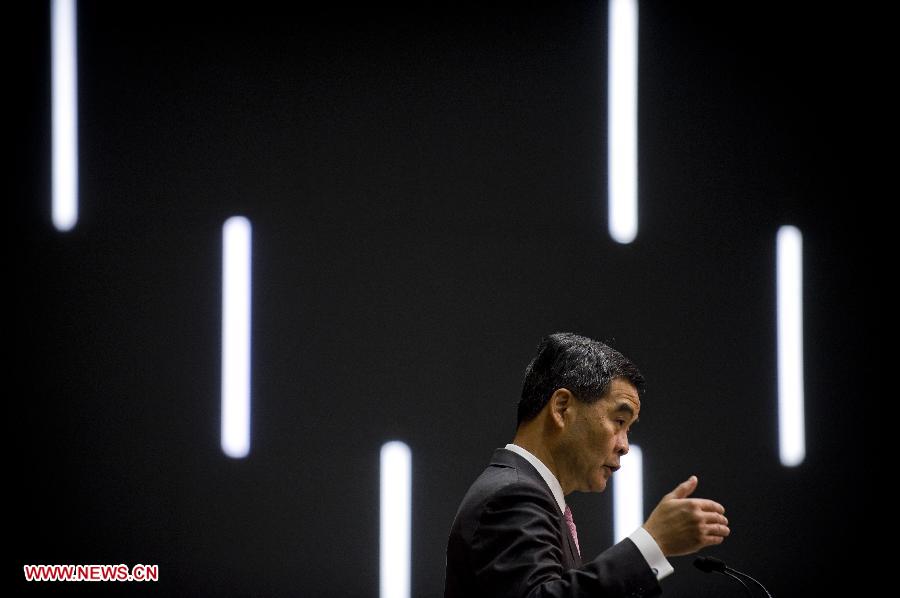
502	480
498	486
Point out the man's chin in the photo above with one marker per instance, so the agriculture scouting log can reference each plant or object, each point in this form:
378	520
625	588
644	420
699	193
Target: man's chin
602	479
599	485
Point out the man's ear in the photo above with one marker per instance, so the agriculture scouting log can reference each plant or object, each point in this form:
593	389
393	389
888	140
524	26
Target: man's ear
560	405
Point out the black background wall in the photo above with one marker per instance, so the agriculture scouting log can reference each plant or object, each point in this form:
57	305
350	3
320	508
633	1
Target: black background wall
427	191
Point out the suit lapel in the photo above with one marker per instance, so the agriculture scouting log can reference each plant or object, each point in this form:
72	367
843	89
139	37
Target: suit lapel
508	458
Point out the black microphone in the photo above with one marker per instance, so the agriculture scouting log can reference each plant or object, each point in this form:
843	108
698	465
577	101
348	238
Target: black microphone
708	564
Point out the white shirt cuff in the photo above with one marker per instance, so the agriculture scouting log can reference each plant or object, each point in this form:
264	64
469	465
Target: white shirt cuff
651	553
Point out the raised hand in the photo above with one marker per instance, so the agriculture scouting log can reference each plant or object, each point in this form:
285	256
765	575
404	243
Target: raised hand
683	525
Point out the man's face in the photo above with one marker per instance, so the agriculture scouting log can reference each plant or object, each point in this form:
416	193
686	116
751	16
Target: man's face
598	436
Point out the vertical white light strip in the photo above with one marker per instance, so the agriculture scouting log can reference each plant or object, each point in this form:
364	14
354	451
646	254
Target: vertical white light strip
64	90
622	143
628	494
791	430
396	494
236	279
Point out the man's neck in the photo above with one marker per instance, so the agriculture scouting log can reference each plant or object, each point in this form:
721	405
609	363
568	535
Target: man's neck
539	450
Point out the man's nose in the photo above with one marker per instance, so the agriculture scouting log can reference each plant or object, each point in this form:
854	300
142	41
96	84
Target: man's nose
622	443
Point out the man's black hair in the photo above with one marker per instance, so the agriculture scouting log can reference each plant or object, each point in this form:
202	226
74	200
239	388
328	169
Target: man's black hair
583	366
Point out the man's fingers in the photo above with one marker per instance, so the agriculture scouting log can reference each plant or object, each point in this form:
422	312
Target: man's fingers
718	530
684	489
708	505
715	518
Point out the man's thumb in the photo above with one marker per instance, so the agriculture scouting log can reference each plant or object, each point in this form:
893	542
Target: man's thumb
684	489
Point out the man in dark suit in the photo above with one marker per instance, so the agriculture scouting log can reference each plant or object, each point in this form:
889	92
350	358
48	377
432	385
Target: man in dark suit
514	536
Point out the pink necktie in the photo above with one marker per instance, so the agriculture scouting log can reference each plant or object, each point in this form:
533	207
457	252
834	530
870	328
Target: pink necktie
571	524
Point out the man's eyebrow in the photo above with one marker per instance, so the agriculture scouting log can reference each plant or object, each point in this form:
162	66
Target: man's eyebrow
627	408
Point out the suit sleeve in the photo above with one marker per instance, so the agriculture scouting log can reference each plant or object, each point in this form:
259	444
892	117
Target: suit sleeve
516	553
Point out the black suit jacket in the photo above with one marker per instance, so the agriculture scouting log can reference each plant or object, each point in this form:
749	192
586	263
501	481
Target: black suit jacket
510	540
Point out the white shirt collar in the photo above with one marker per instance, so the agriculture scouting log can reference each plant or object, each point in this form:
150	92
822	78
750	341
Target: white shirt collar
542	469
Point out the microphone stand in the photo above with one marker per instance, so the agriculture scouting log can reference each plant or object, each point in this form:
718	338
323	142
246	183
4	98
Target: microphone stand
733	571
707	564
727	572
